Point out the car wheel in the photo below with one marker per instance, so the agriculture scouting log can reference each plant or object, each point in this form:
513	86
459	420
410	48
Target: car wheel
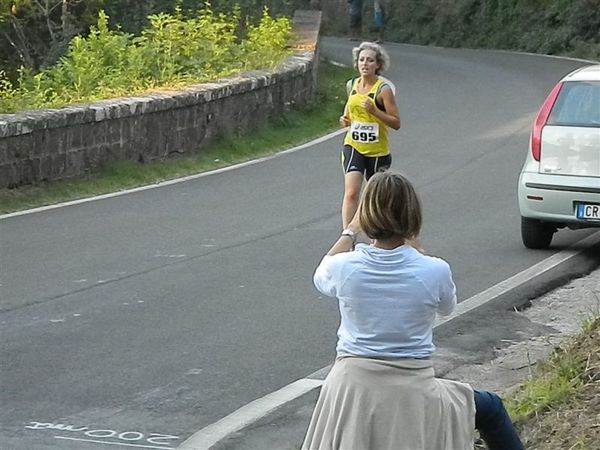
536	234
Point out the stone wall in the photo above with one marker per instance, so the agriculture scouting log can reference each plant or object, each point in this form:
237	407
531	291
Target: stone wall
50	145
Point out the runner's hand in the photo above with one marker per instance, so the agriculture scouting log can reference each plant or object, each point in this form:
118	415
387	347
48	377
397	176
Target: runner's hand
344	121
369	106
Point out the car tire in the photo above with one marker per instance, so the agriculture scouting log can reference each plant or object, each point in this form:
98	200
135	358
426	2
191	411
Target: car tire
536	234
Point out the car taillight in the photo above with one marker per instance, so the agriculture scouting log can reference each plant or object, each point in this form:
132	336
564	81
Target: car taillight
540	121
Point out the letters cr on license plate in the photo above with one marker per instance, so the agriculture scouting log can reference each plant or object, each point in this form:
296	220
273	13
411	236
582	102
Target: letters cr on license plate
588	212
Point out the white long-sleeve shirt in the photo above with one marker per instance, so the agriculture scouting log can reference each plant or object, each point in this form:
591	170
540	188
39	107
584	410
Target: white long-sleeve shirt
388	299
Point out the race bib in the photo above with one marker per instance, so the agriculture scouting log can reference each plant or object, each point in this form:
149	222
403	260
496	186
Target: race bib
364	132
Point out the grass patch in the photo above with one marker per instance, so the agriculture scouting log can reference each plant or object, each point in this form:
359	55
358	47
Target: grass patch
559	407
557	380
279	134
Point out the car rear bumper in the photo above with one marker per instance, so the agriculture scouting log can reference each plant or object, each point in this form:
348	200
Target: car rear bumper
553	198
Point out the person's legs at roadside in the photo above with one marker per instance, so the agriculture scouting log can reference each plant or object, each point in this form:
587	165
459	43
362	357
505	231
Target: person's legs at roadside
494	424
353	164
355	12
379	18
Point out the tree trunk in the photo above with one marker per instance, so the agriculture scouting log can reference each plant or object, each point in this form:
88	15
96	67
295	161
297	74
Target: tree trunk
65	20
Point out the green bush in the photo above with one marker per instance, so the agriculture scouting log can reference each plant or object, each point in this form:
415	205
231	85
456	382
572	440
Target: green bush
174	50
266	42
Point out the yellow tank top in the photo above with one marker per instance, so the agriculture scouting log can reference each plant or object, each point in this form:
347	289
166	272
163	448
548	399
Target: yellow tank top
367	134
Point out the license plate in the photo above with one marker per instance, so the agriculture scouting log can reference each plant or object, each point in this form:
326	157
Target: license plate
588	212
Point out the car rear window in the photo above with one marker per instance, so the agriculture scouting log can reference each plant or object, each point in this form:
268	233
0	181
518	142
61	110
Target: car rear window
577	105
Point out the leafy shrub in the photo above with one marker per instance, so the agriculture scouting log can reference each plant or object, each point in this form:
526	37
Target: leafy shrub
266	42
545	26
7	93
174	50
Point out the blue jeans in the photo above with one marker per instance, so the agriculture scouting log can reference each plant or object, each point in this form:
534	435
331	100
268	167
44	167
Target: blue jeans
494	424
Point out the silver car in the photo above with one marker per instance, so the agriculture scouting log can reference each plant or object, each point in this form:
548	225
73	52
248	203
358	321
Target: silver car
559	185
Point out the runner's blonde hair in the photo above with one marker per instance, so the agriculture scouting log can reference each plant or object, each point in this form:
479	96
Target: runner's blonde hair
382	57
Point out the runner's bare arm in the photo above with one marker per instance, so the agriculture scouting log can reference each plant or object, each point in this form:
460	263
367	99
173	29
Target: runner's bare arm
391	116
345	118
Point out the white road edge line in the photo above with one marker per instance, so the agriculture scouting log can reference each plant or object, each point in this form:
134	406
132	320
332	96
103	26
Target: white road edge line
205	438
520	278
209	436
176	180
111	443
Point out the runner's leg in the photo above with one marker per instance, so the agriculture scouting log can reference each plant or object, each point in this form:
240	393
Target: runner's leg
354	165
352	185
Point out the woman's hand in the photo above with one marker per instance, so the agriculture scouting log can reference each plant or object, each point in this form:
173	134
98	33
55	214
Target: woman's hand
344	121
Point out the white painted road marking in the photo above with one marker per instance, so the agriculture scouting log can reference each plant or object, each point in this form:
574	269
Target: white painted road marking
112	443
250	413
520	278
157	440
176	180
246	415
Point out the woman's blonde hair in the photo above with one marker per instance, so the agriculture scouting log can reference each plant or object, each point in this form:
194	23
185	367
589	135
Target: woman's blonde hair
390	207
382	57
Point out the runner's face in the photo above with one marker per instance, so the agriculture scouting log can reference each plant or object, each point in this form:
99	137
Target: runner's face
367	62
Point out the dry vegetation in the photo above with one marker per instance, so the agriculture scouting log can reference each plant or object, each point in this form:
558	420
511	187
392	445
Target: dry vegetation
572	420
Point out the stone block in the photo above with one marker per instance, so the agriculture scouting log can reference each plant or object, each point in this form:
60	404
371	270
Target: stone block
36	166
99	133
4	129
44	168
26	173
75	163
58	163
5	176
4	152
42	142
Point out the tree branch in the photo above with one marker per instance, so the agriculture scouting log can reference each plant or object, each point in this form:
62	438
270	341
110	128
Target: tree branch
15	46
22	47
49	22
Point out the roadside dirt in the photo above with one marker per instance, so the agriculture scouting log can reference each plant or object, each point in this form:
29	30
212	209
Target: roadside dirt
574	424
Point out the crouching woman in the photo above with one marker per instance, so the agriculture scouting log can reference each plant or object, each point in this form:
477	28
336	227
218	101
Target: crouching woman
381	392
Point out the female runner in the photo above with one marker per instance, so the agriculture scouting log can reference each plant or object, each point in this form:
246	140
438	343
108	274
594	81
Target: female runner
370	110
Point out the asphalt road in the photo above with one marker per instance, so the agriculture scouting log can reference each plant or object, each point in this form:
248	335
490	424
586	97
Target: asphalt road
159	312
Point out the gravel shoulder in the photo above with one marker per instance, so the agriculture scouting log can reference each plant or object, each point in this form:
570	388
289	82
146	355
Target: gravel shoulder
574	423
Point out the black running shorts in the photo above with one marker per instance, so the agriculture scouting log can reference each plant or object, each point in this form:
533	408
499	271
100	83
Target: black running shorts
354	161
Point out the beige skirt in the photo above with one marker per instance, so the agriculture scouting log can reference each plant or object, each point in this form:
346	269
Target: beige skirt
372	404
